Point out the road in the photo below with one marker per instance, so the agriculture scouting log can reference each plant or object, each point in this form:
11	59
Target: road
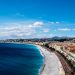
66	66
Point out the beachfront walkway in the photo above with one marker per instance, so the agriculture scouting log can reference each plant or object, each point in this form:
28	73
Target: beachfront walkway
52	64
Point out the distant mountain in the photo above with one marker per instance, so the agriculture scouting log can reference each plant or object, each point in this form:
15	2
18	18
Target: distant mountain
56	38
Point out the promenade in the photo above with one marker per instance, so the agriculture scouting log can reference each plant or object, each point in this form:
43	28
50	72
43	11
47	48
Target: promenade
52	63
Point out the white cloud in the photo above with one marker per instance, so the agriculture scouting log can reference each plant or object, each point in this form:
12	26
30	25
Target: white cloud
54	23
46	30
32	29
19	31
30	26
37	24
57	22
64	29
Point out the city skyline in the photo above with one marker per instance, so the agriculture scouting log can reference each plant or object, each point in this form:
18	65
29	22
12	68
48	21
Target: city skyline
37	18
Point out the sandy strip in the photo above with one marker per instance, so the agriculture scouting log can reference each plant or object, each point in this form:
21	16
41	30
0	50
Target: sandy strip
52	64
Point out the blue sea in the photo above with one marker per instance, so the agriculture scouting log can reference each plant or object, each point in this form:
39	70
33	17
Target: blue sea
20	59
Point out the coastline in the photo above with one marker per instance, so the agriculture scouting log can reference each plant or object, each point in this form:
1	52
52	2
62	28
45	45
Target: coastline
43	66
52	65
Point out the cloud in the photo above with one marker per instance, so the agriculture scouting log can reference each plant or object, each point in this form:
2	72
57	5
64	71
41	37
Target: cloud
54	22
20	29
57	22
37	24
33	29
45	30
64	29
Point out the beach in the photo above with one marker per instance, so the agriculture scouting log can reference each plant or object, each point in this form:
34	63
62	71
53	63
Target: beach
52	65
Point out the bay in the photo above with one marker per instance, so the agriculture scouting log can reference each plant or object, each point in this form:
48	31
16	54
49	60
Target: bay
20	59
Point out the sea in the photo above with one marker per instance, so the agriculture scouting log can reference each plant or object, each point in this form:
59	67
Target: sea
20	59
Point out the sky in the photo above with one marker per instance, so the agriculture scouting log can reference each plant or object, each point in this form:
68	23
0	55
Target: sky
37	18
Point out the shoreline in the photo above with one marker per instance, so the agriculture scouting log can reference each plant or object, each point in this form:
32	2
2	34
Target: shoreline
47	67
43	66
